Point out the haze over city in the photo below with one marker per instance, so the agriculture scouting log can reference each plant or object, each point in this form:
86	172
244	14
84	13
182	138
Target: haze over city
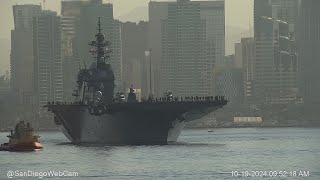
168	89
239	17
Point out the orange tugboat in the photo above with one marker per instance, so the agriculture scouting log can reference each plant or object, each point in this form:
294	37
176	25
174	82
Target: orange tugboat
23	138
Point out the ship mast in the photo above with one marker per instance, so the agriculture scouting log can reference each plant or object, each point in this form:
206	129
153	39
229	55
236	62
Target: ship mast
99	47
101	77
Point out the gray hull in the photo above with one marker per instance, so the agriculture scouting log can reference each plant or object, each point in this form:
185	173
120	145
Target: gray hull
126	126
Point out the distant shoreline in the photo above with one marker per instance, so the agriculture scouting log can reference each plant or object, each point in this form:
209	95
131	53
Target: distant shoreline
278	126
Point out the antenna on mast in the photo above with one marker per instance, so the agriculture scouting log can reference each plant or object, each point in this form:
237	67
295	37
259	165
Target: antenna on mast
99	25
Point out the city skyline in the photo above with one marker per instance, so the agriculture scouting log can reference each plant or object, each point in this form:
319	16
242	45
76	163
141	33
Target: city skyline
187	41
239	17
159	89
238	13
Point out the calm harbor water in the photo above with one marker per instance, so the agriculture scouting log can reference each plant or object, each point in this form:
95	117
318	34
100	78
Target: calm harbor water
199	154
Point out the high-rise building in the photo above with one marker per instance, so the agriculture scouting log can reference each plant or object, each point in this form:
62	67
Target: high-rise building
48	62
286	56
213	12
86	30
228	80
4	86
23	15
70	16
184	70
22	52
134	45
309	54
158	11
213	15
275	66
238	61
247	46
116	55
264	75
7	102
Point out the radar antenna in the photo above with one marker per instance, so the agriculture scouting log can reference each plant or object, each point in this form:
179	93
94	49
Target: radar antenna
100	48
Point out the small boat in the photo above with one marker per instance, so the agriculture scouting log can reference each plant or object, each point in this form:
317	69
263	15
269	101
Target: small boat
210	130
23	138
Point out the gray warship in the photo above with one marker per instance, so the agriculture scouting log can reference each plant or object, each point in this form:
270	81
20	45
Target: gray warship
99	116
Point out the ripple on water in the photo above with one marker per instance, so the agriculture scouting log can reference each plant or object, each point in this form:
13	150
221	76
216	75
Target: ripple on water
197	155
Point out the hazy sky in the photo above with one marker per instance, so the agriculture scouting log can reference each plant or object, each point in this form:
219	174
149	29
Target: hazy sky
238	14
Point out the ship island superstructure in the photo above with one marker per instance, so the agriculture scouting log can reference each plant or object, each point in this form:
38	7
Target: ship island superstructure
97	116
